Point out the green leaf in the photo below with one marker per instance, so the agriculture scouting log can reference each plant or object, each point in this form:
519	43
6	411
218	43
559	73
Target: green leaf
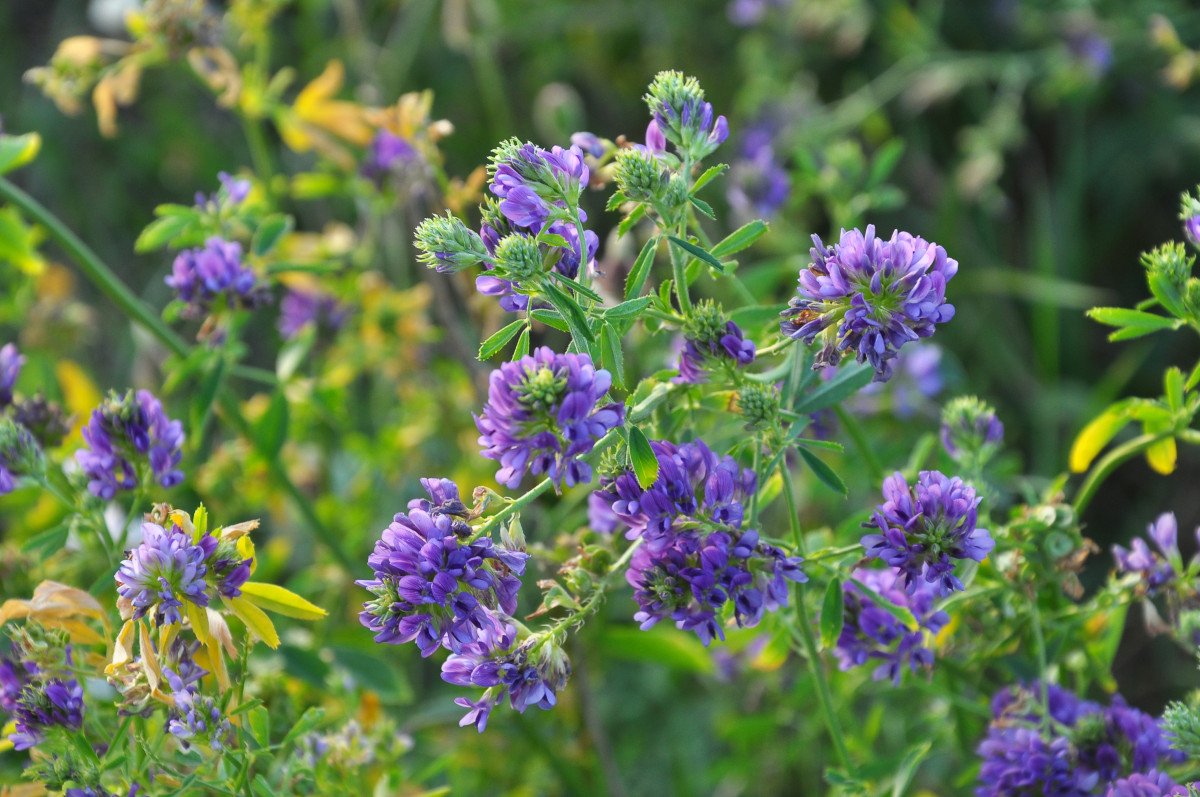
579	287
163	231
522	347
572	313
270	232
823	472
293	352
1131	323
908	768
615	201
490	347
270	431
47	541
628	309
663	646
367	669
899	612
703	207
741	238
16	151
832	614
311	718
550	239
260	725
846	382
708	176
697	252
884	162
550	319
612	356
641	455
1173	388
641	269
633	218
319	267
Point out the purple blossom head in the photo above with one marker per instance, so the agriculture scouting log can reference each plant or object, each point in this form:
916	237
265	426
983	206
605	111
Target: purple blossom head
678	108
46	704
869	297
434	586
534	184
11	361
543	414
710	339
204	275
233	192
14	674
924	527
871	634
1091	50
1189	214
196	719
300	309
167	568
125	435
970	431
1156	568
386	152
1151	784
589	143
759	185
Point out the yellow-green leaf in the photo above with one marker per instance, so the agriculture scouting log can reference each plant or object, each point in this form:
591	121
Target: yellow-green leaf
198	616
16	151
281	601
256	620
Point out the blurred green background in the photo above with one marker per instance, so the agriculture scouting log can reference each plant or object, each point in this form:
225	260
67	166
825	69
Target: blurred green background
1043	144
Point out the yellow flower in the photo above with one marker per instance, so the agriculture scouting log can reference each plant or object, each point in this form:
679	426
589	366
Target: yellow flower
317	121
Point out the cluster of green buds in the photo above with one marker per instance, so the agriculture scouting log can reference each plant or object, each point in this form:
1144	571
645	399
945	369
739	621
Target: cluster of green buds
759	405
20	454
447	244
971	433
677	104
640	175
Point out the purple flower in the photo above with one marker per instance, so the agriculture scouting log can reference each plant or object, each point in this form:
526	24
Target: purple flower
385	152
163	571
1017	760
970	429
543	415
1191	229
196	718
300	309
758	183
1155	568
47	704
870	297
11	361
746	13
1151	784
870	633
125	433
589	143
534	184
678	108
14	674
709	343
924	527
431	585
529	674
233	191
215	271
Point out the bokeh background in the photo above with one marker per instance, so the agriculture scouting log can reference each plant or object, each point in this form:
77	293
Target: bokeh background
1043	144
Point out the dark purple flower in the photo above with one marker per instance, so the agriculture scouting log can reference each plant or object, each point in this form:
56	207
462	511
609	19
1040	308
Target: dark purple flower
923	528
870	297
46	704
871	633
385	153
125	433
11	361
534	184
1151	784
1154	567
215	271
758	183
300	309
543	414
14	674
710	339
431	584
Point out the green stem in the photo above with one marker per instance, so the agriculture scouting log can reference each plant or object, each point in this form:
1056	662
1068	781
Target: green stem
809	643
855	430
1039	643
1109	463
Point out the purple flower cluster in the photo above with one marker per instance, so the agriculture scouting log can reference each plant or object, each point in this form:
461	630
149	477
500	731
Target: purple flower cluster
170	566
710	338
678	107
215	271
924	527
1155	568
300	309
1088	746
758	184
871	633
125	432
970	428
529	674
432	584
196	718
385	153
11	361
870	297
543	414
696	560
14	674
233	191
45	704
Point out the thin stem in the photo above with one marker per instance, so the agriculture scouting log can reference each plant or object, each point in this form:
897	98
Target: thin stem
855	430
808	642
1039	643
778	345
1109	463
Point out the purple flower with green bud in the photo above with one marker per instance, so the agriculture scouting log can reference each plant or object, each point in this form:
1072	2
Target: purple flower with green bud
678	108
970	431
46	704
544	414
386	153
233	191
127	433
869	297
923	528
11	361
164	570
1189	214
215	272
710	339
196	719
1155	568
20	454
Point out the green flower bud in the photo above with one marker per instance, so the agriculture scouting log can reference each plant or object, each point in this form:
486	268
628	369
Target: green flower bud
640	175
445	243
518	258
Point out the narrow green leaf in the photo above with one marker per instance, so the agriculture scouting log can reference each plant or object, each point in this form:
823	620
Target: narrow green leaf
832	614
572	313
703	207
708	176
823	472
908	768
628	309
498	340
641	269
885	161
270	431
522	347
741	238
550	239
270	232
848	380
260	726
16	151
550	319
613	357
579	287
641	455
636	215
1173	388
1125	317
310	719
697	252
161	232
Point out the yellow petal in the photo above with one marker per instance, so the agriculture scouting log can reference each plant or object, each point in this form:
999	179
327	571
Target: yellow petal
1095	436
281	601
79	392
322	87
1161	456
256	620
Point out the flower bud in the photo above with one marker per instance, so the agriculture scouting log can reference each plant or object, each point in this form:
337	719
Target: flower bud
640	175
759	405
445	243
970	429
20	453
518	258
